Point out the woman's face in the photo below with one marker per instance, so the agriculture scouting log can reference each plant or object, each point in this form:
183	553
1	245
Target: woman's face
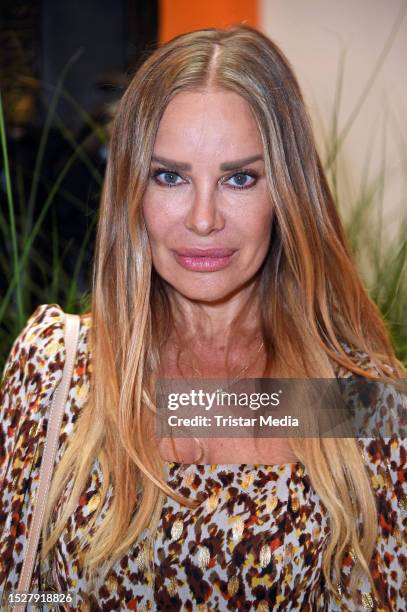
206	208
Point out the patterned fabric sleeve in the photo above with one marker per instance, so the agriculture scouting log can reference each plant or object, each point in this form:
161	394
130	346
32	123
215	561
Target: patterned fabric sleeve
385	457
31	373
387	460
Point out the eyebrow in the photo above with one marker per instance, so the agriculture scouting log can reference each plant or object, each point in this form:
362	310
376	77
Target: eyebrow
184	166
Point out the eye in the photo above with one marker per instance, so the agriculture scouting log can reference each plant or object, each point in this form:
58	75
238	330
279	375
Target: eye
241	179
169	177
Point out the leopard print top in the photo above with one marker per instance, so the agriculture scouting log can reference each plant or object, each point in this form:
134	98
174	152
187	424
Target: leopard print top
254	543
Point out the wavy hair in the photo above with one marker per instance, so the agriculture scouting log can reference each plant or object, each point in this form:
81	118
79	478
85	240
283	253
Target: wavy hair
309	263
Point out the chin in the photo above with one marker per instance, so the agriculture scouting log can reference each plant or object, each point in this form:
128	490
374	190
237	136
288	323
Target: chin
209	293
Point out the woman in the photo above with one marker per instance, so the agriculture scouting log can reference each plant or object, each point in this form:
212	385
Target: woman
219	254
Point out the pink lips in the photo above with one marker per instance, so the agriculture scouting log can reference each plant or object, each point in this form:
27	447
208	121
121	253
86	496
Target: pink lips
204	260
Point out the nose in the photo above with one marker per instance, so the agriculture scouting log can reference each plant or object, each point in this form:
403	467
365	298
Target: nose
203	215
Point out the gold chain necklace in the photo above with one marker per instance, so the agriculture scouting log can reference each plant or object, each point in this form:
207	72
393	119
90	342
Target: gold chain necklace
241	372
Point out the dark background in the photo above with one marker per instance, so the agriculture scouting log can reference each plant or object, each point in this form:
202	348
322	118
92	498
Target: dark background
94	46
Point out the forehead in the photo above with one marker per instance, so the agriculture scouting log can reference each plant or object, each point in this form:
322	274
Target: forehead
209	123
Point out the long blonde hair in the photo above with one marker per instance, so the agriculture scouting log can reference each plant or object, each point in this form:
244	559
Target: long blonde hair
312	301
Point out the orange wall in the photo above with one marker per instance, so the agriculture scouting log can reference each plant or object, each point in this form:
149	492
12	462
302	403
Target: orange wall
179	16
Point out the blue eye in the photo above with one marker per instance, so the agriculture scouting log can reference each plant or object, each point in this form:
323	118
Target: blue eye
170	178
168	174
243	175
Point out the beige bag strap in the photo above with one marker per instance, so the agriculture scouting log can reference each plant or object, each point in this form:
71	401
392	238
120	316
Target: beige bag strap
72	323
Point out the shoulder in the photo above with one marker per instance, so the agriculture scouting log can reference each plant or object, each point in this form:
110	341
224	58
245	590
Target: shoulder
39	345
383	441
361	359
33	369
380	410
379	405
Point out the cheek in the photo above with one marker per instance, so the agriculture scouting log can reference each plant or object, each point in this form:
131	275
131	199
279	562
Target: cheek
256	230
157	218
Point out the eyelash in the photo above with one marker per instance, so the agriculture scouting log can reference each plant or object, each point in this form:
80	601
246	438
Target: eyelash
159	171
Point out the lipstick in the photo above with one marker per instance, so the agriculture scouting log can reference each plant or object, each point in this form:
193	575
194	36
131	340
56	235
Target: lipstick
204	260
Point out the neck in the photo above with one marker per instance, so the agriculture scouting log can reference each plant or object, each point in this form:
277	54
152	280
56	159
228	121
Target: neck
218	325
